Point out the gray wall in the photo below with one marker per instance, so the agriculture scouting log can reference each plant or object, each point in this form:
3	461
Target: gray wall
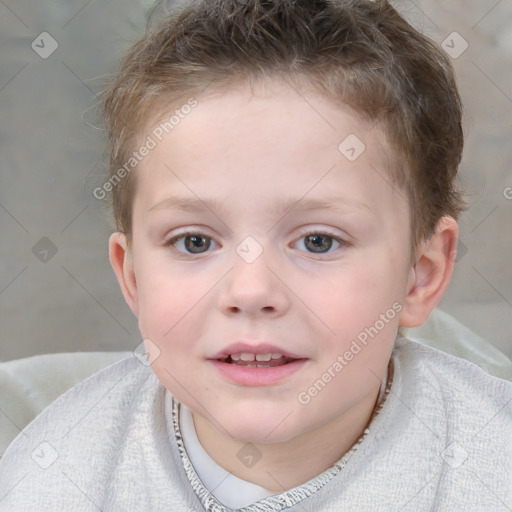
57	291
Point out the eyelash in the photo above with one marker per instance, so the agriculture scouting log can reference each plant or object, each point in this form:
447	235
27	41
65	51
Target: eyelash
172	241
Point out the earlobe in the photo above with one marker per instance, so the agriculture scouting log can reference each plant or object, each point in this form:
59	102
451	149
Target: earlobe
122	262
431	274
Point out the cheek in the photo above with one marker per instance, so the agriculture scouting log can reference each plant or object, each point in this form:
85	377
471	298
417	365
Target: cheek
359	308
168	299
160	306
171	315
349	297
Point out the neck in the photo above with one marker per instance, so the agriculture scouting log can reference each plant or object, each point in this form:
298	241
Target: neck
293	462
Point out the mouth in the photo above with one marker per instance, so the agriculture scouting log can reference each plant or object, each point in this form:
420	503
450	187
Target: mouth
248	360
263	368
247	363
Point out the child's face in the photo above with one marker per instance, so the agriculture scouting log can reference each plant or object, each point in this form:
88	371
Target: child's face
252	155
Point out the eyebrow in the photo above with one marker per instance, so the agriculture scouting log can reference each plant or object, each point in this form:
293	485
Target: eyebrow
194	204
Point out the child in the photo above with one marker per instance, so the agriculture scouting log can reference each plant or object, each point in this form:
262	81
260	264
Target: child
284	185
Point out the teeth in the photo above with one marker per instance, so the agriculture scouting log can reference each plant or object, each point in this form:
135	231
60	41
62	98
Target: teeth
246	356
263	357
253	364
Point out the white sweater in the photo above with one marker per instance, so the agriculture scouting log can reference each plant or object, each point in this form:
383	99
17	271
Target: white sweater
442	441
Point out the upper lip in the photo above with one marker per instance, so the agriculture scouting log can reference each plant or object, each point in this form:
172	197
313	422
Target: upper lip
254	348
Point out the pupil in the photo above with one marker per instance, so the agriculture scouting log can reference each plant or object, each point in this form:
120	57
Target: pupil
195	244
316	246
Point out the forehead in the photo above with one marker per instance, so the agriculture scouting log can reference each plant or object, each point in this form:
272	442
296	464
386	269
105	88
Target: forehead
269	141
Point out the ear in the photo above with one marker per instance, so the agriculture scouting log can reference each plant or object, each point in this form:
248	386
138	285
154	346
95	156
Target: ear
122	263
431	274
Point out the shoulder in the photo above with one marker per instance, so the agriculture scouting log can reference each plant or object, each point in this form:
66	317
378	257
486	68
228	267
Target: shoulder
127	377
86	426
445	427
448	374
458	401
103	394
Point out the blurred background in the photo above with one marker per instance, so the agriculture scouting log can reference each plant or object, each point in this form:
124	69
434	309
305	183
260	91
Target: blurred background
57	290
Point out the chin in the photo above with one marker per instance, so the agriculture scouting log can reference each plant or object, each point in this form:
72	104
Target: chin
261	436
258	428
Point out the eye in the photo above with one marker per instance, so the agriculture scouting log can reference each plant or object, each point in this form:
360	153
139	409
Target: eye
316	242
194	243
320	243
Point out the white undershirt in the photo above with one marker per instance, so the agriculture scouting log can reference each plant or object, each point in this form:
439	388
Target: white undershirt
231	491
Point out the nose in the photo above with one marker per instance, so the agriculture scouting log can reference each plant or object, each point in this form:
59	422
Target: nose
254	289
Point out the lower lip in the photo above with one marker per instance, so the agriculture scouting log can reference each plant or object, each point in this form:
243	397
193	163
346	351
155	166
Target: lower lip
253	376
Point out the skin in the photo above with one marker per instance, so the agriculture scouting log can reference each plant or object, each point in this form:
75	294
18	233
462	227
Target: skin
250	150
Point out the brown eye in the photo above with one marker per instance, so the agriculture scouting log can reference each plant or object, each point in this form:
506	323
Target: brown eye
318	243
194	243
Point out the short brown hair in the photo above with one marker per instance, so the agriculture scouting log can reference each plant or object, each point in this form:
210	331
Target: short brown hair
360	53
